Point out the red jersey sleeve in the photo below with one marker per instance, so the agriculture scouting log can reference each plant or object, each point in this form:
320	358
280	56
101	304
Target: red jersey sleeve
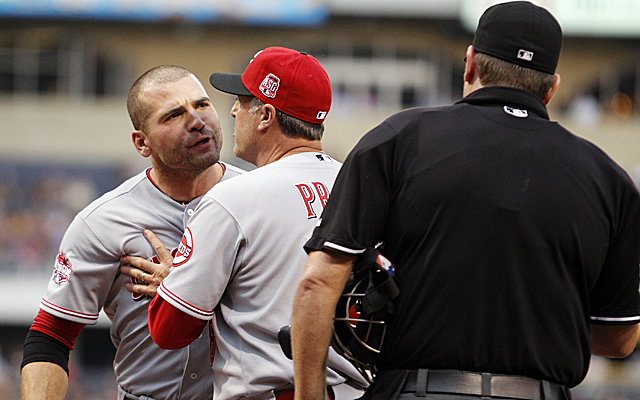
58	328
171	328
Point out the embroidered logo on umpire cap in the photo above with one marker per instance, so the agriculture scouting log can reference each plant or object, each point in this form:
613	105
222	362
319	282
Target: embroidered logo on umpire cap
185	249
525	55
269	86
62	270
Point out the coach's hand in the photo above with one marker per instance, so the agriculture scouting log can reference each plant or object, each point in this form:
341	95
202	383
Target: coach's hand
150	273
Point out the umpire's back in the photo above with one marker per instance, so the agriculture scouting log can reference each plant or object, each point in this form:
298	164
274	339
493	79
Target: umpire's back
516	244
511	236
507	232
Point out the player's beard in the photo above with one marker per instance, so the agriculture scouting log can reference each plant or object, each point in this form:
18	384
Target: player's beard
184	157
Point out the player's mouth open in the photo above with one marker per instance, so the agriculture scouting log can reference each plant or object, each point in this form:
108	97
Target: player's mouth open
201	142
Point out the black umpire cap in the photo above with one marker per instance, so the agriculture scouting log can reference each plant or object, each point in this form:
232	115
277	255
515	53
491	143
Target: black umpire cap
521	33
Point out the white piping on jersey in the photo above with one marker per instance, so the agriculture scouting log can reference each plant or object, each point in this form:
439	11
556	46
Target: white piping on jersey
612	319
69	312
162	289
342	248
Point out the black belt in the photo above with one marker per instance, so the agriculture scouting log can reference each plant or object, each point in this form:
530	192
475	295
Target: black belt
486	385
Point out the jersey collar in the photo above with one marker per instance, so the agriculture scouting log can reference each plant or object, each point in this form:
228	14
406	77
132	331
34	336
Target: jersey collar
501	96
184	203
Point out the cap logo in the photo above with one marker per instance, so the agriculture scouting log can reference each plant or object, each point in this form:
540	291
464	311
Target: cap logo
269	86
525	55
321	115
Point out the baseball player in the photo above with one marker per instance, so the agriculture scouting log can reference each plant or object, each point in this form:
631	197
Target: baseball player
177	127
246	265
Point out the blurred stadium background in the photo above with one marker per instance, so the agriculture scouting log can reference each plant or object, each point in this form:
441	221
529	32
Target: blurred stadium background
66	66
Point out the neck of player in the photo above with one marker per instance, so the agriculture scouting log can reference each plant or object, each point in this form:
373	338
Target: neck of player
184	185
288	147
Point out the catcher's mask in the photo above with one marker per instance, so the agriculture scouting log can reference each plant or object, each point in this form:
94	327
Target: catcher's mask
364	311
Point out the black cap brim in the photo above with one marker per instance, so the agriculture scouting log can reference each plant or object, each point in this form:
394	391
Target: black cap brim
229	83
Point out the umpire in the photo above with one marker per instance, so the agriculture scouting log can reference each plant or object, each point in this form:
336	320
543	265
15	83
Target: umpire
516	243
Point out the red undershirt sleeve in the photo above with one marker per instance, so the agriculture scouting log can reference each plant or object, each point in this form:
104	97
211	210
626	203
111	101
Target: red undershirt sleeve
58	328
172	328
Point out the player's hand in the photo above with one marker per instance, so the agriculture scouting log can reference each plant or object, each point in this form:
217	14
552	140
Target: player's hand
149	272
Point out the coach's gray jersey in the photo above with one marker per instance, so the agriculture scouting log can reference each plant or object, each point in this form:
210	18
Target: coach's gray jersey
247	269
87	278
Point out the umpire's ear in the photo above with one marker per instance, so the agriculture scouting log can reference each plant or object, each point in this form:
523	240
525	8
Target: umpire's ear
140	141
554	88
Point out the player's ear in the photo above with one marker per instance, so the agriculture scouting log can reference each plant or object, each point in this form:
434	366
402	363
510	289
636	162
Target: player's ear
267	117
140	141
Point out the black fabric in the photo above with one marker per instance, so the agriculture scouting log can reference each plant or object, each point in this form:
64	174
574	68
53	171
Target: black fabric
229	83
387	385
509	236
41	347
284	339
381	288
521	33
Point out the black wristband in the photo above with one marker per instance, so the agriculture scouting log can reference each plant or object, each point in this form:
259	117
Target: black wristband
39	346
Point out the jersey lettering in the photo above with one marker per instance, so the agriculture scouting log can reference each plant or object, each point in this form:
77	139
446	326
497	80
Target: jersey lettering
310	195
185	248
322	191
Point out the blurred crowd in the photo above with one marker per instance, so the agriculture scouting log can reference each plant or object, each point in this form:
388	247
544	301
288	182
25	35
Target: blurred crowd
37	203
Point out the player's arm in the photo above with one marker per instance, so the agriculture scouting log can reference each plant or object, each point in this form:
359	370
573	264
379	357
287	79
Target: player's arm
45	364
322	282
170	327
616	341
44	380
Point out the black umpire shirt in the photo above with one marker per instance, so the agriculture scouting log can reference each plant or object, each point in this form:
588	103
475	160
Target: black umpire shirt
509	234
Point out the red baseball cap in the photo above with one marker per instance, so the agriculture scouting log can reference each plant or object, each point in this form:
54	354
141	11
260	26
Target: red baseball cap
291	81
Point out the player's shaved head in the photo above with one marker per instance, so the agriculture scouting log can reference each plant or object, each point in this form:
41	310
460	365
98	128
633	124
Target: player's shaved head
139	111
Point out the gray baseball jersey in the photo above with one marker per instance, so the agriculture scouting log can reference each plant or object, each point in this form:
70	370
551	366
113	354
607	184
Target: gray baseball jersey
247	265
87	278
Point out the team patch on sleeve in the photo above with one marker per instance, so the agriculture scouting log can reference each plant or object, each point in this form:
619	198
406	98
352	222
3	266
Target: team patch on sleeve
62	269
185	249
